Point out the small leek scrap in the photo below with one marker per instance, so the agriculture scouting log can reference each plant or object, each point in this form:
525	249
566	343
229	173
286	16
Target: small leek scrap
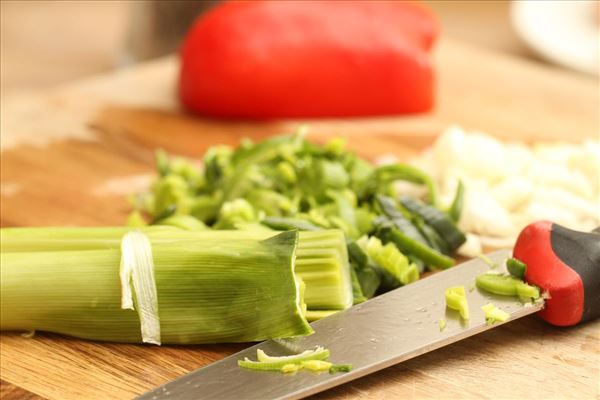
456	299
507	285
493	314
516	268
312	360
490	263
286	183
208	288
316	365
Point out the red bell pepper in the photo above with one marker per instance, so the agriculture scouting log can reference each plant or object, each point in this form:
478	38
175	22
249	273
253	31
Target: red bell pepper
277	59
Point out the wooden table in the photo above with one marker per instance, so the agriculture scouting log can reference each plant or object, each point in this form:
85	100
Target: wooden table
72	154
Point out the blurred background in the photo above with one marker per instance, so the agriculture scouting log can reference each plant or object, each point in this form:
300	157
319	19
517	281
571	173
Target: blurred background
45	43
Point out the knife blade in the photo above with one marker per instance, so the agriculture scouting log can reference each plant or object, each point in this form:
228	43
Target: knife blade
373	335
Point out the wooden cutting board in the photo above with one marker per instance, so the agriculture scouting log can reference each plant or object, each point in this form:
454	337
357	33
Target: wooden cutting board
71	155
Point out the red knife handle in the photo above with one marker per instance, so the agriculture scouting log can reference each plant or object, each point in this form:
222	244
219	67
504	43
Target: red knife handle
566	264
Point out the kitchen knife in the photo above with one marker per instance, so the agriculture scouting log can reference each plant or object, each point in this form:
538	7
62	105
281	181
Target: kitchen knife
404	323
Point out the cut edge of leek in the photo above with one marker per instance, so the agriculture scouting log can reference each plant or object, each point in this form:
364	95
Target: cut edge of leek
137	268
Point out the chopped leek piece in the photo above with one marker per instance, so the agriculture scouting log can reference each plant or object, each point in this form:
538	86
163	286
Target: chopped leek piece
493	314
442	324
357	291
507	285
340	368
410	246
390	259
527	292
457	300
516	268
456	207
369	279
312	360
290	368
270	363
235	212
314	315
438	220
394	172
287	172
390	208
316	365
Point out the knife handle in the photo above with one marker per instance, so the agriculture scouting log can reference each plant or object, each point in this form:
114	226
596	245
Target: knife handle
566	264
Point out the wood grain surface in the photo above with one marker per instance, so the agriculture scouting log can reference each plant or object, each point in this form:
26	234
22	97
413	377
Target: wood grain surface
71	155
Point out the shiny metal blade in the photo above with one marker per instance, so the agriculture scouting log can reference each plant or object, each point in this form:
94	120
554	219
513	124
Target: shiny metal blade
381	332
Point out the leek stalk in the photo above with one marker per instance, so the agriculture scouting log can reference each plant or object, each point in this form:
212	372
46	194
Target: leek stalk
321	257
209	290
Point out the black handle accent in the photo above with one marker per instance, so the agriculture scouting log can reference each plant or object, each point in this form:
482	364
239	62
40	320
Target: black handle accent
581	252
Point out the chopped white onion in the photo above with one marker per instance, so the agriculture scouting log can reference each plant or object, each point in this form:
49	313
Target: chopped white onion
509	185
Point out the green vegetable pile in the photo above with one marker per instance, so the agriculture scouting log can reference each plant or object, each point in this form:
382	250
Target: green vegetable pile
289	183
